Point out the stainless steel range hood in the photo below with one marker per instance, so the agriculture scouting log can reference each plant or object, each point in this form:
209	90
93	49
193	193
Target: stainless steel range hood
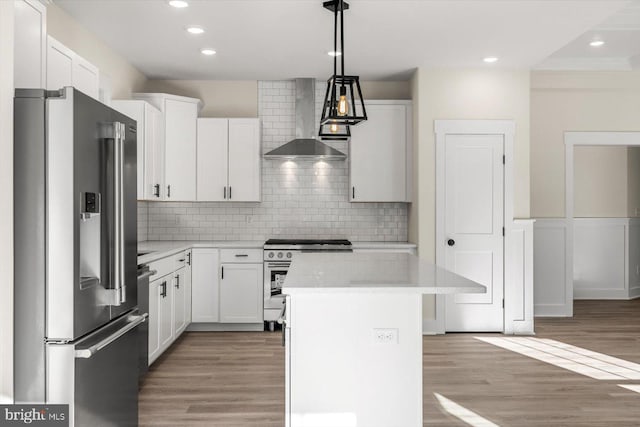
305	146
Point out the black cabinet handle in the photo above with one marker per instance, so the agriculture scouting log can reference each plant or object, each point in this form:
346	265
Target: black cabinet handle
188	258
353	192
156	190
451	242
222	272
168	191
177	281
229	192
224	194
163	294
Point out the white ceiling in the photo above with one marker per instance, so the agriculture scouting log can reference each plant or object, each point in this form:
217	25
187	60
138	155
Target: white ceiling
385	39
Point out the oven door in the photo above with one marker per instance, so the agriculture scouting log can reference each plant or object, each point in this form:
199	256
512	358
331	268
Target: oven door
274	275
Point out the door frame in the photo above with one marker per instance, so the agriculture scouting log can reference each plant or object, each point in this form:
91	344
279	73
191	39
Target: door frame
505	128
571	139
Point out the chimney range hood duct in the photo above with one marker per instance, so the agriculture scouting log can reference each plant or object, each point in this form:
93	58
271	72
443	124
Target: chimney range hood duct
305	146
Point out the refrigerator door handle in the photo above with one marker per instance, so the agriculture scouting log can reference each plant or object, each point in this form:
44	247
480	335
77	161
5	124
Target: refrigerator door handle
86	353
119	284
116	295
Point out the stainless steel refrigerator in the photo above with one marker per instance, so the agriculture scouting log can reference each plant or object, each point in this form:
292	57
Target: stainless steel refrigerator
76	315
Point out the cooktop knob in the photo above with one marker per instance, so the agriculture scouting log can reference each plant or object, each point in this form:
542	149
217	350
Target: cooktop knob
271	254
288	254
279	254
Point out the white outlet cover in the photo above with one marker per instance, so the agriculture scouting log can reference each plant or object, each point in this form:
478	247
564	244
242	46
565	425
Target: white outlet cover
385	335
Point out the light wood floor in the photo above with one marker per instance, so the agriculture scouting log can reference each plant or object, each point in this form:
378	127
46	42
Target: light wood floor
237	379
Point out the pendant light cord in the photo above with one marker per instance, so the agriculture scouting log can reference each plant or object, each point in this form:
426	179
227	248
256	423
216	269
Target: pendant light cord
342	38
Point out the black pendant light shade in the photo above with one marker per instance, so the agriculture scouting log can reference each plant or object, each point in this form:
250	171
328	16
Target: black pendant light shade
343	102
334	133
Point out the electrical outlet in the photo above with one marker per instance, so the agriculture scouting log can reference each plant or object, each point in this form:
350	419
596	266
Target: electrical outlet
385	336
248	219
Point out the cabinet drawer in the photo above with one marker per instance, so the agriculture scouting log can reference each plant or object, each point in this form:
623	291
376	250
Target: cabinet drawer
168	265
179	260
241	255
163	267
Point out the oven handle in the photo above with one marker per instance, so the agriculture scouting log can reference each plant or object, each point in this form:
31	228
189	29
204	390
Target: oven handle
278	264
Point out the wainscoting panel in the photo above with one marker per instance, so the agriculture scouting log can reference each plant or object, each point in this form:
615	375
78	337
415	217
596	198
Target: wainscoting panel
599	258
549	268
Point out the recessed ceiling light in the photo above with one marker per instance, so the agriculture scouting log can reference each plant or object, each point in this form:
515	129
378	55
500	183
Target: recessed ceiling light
208	52
334	53
490	59
195	30
180	4
596	43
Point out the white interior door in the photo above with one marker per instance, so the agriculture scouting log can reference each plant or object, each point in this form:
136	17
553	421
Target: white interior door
474	220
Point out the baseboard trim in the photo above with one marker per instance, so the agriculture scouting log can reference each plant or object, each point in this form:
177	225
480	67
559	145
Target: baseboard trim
226	327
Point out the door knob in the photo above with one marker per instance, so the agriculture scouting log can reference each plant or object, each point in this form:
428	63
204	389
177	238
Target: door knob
451	242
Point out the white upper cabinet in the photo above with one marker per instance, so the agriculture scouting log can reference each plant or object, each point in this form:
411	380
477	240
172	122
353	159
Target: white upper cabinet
180	149
229	160
66	68
244	160
213	152
180	114
380	154
30	44
150	146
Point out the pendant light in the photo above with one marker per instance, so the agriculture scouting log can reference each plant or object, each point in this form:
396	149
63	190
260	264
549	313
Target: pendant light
343	102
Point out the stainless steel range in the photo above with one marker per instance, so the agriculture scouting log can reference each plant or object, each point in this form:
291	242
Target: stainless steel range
278	254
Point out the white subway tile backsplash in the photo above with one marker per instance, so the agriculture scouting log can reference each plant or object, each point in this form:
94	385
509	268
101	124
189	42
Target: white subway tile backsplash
303	199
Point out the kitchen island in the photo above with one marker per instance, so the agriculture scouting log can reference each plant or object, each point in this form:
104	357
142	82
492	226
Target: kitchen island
353	330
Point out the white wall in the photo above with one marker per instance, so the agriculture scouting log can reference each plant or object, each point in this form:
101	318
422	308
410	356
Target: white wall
600	182
633	182
220	98
237	98
463	94
579	101
124	77
6	201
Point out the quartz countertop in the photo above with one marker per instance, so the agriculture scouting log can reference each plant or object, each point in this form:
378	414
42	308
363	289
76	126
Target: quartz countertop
159	249
383	245
372	272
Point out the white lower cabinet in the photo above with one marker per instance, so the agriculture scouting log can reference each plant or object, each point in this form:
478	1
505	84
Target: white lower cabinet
160	322
241	293
179	302
227	288
169	299
205	286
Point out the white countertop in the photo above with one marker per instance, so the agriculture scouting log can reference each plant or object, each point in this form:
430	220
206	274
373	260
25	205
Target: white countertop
163	248
383	245
372	272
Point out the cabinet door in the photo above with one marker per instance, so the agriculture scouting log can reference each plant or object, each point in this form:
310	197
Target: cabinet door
378	155
136	110
154	188
179	302
86	77
205	285
180	149
241	293
154	319
165	297
30	44
187	288
244	160
212	159
59	65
